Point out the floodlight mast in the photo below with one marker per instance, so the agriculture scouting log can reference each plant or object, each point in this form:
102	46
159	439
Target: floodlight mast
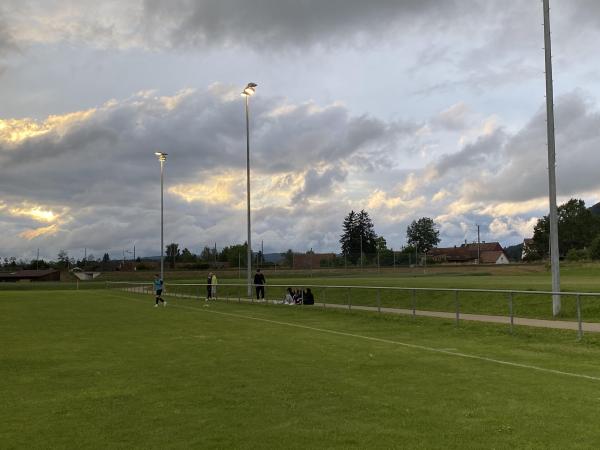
248	91
162	157
554	255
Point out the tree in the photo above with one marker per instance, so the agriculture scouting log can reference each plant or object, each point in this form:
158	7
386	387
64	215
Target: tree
63	258
288	257
106	258
206	254
172	253
423	234
187	256
358	235
577	227
348	237
595	248
234	254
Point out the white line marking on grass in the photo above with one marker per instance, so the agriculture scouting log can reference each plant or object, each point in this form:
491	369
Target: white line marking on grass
389	341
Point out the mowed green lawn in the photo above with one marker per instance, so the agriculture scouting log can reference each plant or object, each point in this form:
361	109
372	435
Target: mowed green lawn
105	369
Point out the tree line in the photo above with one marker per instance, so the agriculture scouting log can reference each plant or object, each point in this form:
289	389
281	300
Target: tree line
578	233
359	241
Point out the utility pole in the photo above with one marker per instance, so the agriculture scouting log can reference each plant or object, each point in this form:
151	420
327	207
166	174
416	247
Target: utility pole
554	255
478	247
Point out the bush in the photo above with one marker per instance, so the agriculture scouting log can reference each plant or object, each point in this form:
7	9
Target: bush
577	254
595	248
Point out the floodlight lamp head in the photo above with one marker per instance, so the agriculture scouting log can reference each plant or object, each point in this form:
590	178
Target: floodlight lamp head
249	90
162	157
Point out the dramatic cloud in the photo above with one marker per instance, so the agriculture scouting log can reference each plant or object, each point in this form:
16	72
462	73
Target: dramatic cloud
405	108
98	165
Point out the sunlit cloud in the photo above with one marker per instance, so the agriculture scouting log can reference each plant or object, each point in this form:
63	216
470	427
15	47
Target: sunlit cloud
379	199
38	232
440	195
214	190
36	213
514	208
17	130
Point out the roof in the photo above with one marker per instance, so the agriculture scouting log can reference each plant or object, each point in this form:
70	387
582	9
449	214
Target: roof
484	246
27	273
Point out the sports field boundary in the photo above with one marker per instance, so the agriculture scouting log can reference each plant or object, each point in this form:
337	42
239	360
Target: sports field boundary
457	315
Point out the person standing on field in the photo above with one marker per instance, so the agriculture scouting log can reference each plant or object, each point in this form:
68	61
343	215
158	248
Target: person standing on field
259	283
158	288
213	286
208	286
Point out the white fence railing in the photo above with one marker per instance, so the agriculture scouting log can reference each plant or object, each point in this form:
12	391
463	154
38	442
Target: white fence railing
503	302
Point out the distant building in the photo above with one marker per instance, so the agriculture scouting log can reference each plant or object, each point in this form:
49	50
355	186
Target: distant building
30	275
484	253
312	260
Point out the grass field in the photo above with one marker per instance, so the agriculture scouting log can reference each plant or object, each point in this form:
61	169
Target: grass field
105	369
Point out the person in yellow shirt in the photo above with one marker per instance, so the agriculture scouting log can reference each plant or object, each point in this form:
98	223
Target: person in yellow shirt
213	286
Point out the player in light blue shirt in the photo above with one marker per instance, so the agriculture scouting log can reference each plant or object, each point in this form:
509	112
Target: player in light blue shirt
158	288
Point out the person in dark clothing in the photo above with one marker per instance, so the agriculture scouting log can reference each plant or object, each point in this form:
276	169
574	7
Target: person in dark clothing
208	286
308	297
259	283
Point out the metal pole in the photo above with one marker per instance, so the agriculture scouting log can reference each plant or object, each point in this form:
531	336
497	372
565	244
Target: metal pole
551	163
579	326
457	307
510	309
162	247
379	300
414	303
361	253
249	253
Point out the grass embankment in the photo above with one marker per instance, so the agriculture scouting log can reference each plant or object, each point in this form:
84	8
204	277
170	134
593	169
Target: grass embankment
574	278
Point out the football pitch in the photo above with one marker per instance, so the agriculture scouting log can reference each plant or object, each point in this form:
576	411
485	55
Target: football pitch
106	369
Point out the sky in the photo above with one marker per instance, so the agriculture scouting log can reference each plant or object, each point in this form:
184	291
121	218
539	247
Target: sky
403	108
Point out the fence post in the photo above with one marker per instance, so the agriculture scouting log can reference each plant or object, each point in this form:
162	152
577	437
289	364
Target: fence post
414	303
349	303
579	325
457	307
510	310
379	301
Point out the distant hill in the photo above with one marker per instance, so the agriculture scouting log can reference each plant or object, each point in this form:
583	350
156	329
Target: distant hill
274	257
595	209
